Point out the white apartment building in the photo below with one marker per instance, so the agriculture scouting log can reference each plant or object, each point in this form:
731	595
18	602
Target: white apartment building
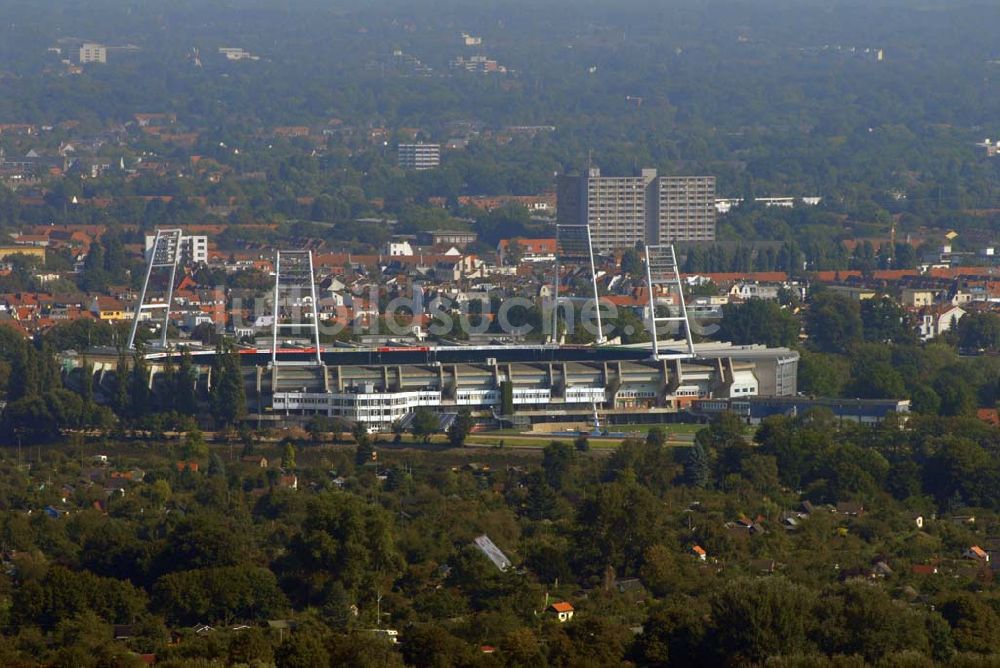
419	156
194	249
91	52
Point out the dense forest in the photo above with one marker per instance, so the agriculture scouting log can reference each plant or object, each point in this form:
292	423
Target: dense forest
809	531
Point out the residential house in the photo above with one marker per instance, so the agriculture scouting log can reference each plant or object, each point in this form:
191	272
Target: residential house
989	415
936	320
529	250
976	553
562	611
109	309
850	509
745	290
255	460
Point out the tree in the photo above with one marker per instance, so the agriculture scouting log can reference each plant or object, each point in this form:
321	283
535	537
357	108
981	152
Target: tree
220	593
975	626
697	467
337	608
657	436
288	457
215	466
506	397
861	620
343	535
758	321
184	385
250	646
823	374
503	222
754	619
979	331
229	402
121	400
433	645
557	463
629	327
833	322
617	523
632	263
425	424
319	425
25	378
873	374
460	428
139	392
957	395
674	633
885	321
194	445
30	420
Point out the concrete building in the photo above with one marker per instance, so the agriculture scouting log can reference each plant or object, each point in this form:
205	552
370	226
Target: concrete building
194	249
623	211
617	208
381	395
419	156
460	238
93	53
397	248
236	53
754	410
686	210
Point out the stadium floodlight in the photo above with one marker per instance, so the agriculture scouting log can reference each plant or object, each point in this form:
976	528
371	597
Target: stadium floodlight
662	271
164	256
573	243
294	298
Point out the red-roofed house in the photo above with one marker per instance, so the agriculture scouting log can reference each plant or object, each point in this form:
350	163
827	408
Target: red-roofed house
530	249
562	611
989	416
976	553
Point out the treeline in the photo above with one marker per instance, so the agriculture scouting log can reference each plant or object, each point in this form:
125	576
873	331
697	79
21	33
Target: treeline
38	405
44	400
871	350
796	260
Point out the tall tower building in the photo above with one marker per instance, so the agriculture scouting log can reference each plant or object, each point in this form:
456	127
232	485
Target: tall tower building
623	211
686	209
616	208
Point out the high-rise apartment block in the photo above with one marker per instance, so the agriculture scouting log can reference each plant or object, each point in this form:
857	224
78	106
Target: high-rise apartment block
686	208
623	211
93	53
194	249
419	156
